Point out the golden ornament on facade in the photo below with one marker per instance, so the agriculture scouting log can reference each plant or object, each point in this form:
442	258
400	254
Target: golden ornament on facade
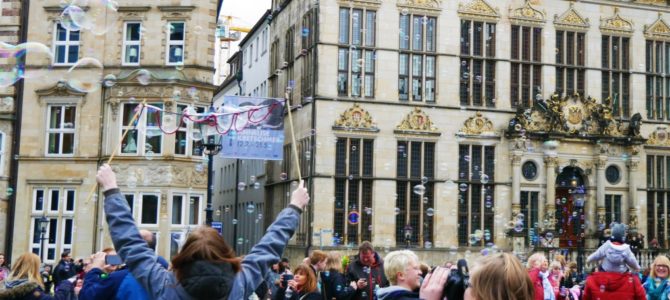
659	137
527	13
658	30
421	3
476	125
477	9
571	19
355	118
417	120
616	24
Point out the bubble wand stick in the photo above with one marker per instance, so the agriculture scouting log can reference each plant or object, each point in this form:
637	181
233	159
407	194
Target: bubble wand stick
290	122
137	115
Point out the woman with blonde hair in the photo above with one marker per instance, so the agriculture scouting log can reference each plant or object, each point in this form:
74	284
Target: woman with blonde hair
334	283
535	264
499	277
301	287
25	282
656	286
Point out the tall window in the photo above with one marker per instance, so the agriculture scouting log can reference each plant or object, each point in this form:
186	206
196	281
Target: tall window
478	67
526	77
149	208
57	205
658	85
476	169
186	209
175	43
615	64
529	208
309	21
61	129
356	55
289	58
570	65
658	198
146	137
353	190
131	43
188	138
612	209
416	75
66	46
414	186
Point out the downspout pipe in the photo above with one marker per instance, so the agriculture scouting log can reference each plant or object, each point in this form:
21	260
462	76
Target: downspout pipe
16	134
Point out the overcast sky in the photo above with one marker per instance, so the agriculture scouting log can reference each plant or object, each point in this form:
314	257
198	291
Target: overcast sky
247	12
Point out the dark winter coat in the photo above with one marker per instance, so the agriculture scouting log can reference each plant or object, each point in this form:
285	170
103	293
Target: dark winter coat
23	290
335	286
375	276
280	295
609	285
63	271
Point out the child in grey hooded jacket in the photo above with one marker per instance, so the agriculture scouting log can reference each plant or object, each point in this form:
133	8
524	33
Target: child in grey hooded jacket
615	254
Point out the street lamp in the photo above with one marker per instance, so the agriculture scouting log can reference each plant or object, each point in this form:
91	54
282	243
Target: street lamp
42	222
408	234
211	146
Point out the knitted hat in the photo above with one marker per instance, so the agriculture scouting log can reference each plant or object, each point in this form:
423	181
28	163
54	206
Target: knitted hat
618	232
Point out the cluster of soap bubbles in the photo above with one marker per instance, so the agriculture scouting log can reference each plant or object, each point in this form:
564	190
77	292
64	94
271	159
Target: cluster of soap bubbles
40	59
94	16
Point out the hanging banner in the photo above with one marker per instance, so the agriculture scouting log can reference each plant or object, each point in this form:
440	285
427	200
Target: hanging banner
258	128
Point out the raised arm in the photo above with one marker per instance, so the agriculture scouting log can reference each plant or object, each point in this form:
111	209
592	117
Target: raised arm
269	249
140	259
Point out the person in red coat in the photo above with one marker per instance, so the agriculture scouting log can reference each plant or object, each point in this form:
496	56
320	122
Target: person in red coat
610	285
535	263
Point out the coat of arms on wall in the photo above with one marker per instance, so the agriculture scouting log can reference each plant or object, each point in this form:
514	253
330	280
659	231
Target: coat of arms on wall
576	116
355	118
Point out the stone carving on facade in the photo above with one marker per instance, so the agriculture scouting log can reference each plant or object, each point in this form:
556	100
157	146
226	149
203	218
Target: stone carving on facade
361	3
355	118
176	12
133	13
632	221
571	20
633	164
518	144
417	121
551	161
658	30
61	90
477	125
659	137
572	116
616	24
153	175
421	5
478	9
7	104
527	14
190	177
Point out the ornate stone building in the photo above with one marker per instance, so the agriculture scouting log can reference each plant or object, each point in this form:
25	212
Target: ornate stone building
156	52
456	125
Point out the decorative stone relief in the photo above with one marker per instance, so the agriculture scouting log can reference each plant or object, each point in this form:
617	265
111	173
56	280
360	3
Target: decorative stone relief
658	30
62	91
659	137
571	20
151	175
176	12
361	3
190	177
616	24
7	104
477	125
355	118
417	121
527	14
421	5
478	10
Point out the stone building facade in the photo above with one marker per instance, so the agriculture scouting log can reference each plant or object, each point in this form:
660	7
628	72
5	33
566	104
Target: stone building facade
160	53
10	27
433	124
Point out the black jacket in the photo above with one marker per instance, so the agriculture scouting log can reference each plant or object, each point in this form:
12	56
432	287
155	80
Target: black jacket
24	290
375	276
335	286
280	295
63	271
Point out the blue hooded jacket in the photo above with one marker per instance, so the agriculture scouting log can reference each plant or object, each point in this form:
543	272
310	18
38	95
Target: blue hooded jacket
205	280
119	285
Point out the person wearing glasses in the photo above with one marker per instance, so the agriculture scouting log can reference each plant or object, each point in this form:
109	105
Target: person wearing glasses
656	285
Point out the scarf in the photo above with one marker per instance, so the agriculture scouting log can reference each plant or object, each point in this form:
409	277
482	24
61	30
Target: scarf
655	292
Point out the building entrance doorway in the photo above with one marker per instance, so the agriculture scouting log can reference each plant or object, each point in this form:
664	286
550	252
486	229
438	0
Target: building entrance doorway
570	200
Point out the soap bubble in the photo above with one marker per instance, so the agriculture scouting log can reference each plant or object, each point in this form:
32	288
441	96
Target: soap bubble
234	222
424	180
283	176
251	208
143	76
430	212
241	186
252	179
240	241
485	179
200	168
419	189
397	211
85	75
109	80
463	187
131	181
256	185
71	18
427	245
38	56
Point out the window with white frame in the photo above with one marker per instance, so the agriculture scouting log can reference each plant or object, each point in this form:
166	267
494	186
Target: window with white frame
149	209
61	129
175	43
188	138
66	46
131	43
57	205
186	209
612	209
416	73
146	137
265	40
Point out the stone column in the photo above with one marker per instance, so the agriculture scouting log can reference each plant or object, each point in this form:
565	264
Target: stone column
516	178
601	162
550	202
630	218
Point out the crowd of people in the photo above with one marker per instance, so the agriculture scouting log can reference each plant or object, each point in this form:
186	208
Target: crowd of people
206	267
